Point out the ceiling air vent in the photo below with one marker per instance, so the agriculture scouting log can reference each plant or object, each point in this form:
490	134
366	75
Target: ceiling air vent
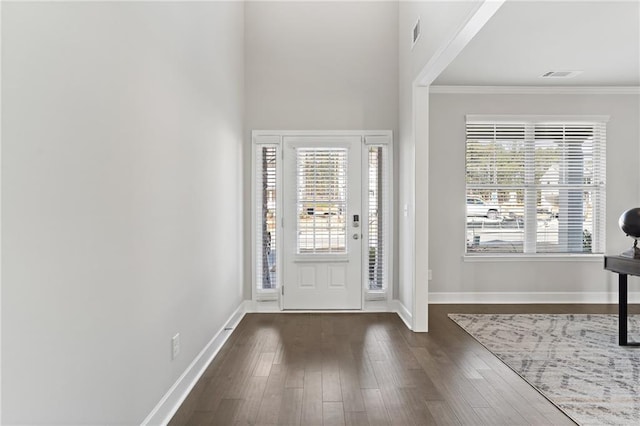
416	33
560	74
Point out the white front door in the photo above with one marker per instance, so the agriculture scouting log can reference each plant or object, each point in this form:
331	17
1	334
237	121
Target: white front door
322	232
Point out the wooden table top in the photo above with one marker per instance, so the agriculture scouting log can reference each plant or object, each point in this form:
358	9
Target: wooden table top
622	265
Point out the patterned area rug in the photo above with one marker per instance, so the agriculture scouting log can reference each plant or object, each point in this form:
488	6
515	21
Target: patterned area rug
573	360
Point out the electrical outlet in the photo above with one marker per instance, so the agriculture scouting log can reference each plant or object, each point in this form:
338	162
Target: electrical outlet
175	346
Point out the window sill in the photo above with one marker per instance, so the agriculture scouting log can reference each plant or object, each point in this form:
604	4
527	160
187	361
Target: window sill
578	257
312	258
375	295
266	295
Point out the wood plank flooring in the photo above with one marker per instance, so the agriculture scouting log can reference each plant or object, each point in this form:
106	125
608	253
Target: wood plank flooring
366	369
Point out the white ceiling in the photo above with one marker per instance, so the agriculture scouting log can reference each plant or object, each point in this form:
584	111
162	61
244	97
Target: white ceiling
525	39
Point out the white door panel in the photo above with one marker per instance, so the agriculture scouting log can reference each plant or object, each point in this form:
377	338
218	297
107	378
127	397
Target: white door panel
322	238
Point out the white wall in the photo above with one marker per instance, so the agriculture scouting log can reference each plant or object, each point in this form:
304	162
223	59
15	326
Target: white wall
447	209
121	197
440	21
319	66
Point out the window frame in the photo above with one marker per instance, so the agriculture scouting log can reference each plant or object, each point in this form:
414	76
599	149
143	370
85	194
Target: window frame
530	121
259	141
386	143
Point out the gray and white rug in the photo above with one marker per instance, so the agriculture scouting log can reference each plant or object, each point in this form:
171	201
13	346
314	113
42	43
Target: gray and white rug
573	360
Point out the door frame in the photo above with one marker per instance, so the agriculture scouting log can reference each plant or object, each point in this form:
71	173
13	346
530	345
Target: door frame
271	300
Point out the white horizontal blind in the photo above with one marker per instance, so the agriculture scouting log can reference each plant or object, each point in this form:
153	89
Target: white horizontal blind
535	187
378	217
266	216
321	200
570	168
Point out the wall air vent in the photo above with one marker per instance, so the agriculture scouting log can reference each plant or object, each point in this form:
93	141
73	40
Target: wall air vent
415	35
560	74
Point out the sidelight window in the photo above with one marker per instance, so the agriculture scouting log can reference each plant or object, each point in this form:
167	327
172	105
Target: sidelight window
378	217
267	214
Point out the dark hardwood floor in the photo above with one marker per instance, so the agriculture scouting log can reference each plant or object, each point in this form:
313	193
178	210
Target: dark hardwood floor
366	369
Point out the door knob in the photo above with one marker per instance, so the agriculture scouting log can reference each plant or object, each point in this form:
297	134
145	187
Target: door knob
356	236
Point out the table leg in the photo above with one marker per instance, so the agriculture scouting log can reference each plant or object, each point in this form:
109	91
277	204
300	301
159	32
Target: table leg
622	309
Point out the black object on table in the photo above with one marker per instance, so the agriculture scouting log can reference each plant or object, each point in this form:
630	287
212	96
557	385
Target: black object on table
623	266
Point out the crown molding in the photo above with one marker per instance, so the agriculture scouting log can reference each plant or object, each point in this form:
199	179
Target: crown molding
537	90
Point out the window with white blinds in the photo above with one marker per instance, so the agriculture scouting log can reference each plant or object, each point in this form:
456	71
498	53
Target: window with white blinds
378	217
535	185
321	200
266	216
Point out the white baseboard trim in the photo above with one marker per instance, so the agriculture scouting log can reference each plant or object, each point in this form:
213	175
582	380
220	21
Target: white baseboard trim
175	396
533	297
402	311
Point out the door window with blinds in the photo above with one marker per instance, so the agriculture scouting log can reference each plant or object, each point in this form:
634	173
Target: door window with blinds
321	193
535	185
